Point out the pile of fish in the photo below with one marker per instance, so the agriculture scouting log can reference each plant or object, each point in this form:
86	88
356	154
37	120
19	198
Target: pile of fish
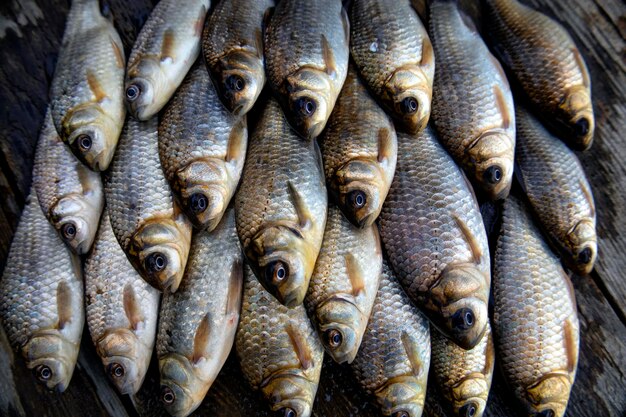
343	221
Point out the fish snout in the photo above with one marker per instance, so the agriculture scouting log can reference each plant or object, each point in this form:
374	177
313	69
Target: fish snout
358	186
309	101
549	396
492	155
239	79
139	96
290	395
51	359
579	112
88	143
341	326
177	385
402	397
470	396
125	360
409	94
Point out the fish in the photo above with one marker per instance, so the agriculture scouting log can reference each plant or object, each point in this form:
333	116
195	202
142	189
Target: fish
306	44
394	55
473	110
359	148
535	324
232	45
554	180
41	299
544	61
343	285
433	232
281	206
69	193
198	323
463	377
393	361
165	50
148	223
202	147
122	311
278	350
87	91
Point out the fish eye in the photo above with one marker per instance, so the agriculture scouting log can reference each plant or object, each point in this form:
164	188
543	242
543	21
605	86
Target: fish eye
116	370
276	272
357	199
468	410
545	413
306	106
584	257
68	230
43	373
409	105
132	92
400	413
84	143
333	338
235	83
493	174
581	126
167	395
198	203
285	412
156	262
463	319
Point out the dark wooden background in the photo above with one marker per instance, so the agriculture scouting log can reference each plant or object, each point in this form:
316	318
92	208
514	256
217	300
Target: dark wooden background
30	35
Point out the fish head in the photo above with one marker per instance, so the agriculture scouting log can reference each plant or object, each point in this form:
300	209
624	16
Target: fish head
144	82
341	326
358	186
408	93
457	304
549	396
202	193
469	396
402	397
309	101
239	79
491	156
581	244
283	261
181	389
289	394
75	218
578	111
159	249
91	135
51	357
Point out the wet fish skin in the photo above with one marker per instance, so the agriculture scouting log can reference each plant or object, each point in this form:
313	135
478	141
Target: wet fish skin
535	323
463	376
198	323
41	299
473	109
557	188
432	230
281	207
359	149
165	50
393	54
393	361
151	228
306	58
343	285
232	44
202	148
122	311
544	60
70	194
87	103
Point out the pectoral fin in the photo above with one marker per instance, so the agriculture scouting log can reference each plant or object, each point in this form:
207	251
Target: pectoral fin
502	107
300	346
201	339
304	215
329	58
355	274
473	244
571	346
132	308
237	141
64	304
413	353
235	283
168	46
428	55
385	144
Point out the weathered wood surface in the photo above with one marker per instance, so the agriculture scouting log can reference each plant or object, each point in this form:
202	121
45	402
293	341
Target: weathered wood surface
30	34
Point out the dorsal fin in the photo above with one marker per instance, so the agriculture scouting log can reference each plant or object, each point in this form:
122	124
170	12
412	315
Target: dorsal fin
571	347
412	353
237	141
473	244
329	58
64	304
169	45
235	283
385	147
304	215
132	309
502	107
300	346
355	275
201	339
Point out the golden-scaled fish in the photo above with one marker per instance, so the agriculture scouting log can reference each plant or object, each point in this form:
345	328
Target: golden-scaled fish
463	377
542	57
359	150
70	194
41	299
281	207
343	285
202	148
432	230
152	229
167	46
534	316
122	311
393	361
306	57
232	45
87	92
554	181
392	51
473	108
279	351
198	323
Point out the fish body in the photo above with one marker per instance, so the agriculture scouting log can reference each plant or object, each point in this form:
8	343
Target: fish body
41	299
281	206
122	311
432	230
393	54
165	50
232	45
202	147
535	323
359	149
151	228
557	188
393	361
87	92
542	58
306	57
198	323
473	108
70	194
343	285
